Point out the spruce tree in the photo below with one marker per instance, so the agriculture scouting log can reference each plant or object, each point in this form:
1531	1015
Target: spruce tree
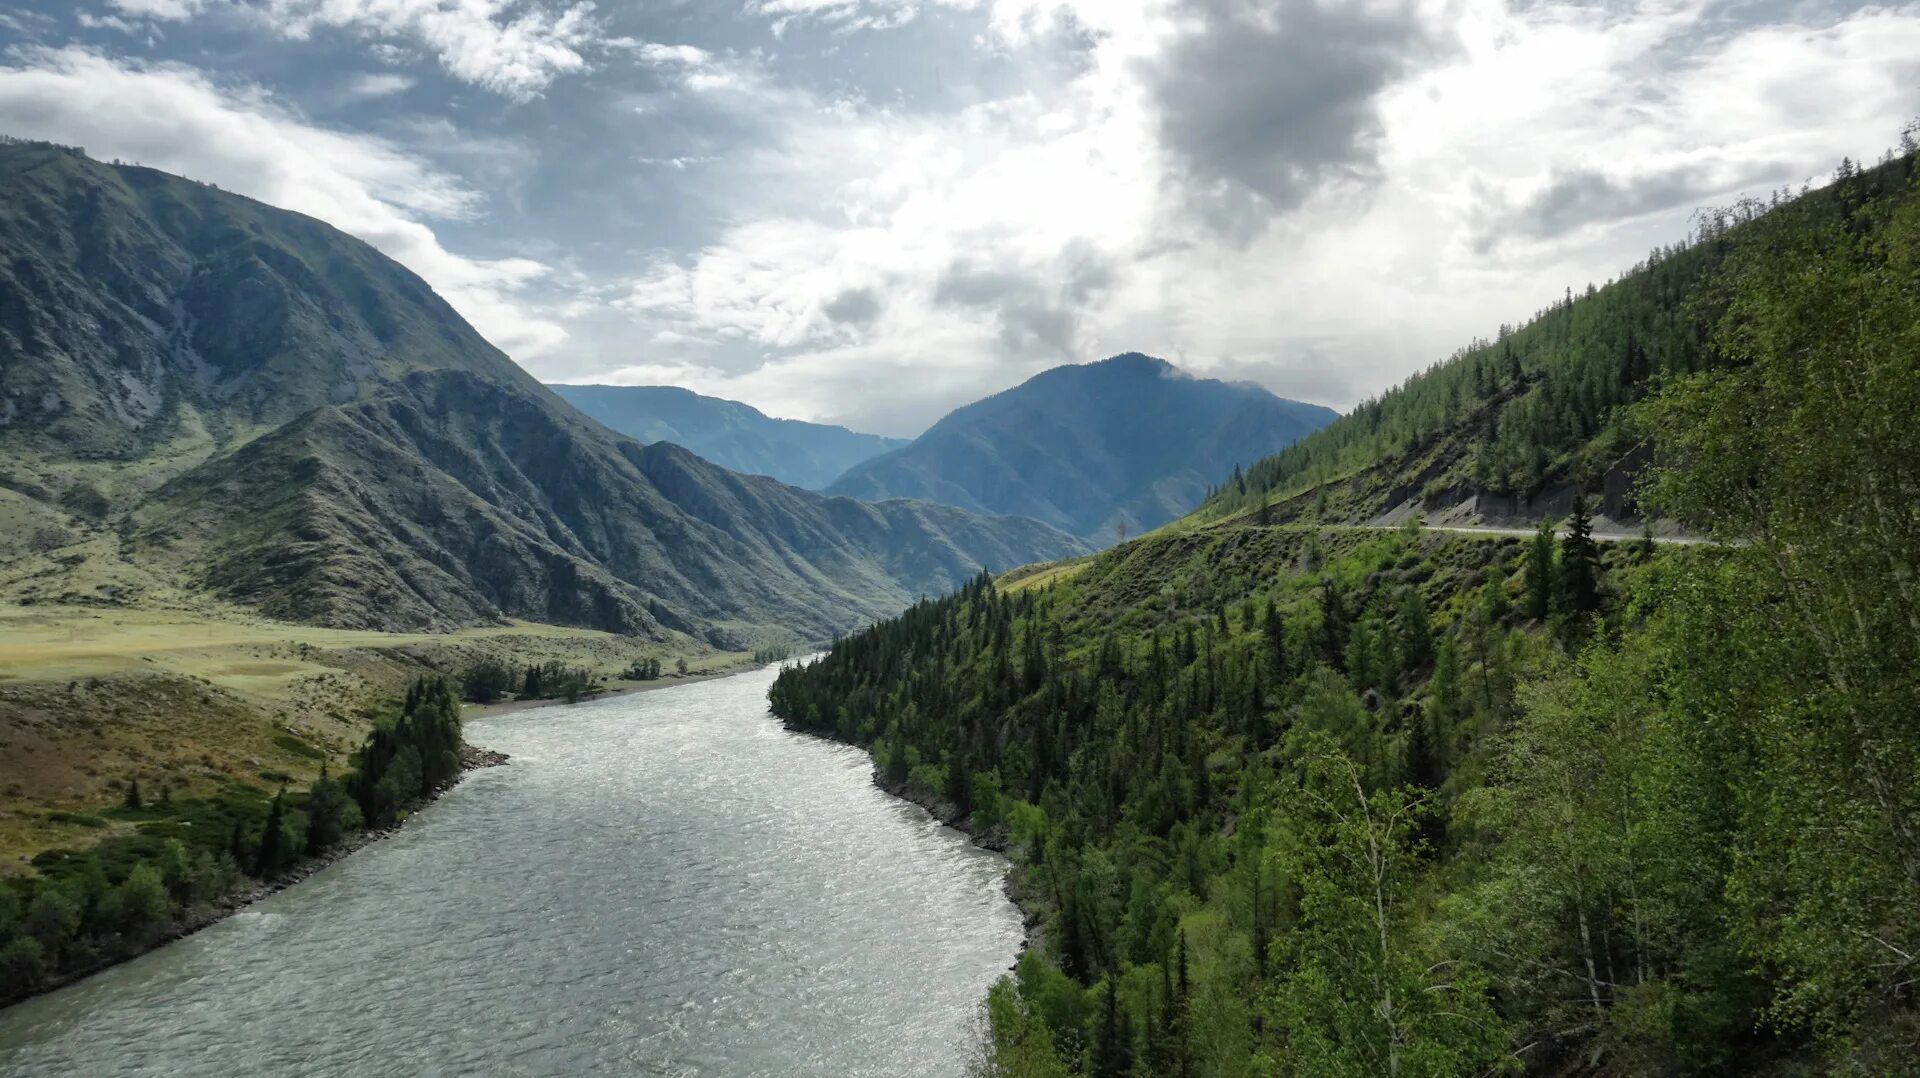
1181	1008
960	784
1414	629
1113	1054
1276	631
133	794
271	853
326	811
1541	572
1580	561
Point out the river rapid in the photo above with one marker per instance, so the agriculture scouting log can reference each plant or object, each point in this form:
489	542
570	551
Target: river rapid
667	883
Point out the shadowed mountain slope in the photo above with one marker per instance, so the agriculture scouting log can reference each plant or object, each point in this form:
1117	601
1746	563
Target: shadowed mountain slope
728	433
201	395
1127	443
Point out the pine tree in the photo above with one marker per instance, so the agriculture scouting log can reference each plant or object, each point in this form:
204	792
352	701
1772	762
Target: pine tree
1444	688
1179	1048
1541	573
1425	769
1414	629
1580	561
960	784
1276	632
237	844
133	794
326	813
1333	624
269	855
1113	1053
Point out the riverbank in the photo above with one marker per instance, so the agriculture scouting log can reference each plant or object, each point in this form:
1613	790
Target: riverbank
666	681
996	839
196	918
687	850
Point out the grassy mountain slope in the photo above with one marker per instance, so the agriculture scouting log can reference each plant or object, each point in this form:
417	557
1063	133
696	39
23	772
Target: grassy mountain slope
1129	443
728	433
203	394
1507	428
1300	800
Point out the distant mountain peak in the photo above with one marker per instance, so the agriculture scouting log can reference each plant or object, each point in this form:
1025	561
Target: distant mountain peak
729	433
220	398
1122	444
1134	363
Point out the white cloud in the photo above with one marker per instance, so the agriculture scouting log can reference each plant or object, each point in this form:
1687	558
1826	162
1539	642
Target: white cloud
850	15
161	9
379	84
175	118
512	47
105	22
1575	136
866	251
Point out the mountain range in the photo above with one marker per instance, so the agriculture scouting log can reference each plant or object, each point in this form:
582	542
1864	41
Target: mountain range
1099	449
203	395
729	433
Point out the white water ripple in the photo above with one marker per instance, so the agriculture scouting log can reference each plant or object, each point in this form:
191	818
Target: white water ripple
667	883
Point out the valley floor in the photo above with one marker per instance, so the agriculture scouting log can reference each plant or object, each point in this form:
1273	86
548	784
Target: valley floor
190	702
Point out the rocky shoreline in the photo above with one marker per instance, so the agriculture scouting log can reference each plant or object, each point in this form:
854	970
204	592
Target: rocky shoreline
192	920
994	839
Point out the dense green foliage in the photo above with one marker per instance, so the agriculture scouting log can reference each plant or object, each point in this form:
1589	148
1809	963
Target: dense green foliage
1102	450
643	670
1291	802
490	680
408	758
180	857
1544	403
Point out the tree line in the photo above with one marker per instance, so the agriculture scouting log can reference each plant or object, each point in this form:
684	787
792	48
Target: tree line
83	908
491	680
1549	401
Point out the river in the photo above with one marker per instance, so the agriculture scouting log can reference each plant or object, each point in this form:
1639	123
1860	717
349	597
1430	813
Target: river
667	883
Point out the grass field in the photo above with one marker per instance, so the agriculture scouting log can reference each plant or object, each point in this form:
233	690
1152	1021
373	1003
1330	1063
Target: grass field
1039	576
190	699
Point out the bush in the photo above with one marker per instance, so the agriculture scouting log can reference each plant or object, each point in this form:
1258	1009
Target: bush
23	963
143	901
487	681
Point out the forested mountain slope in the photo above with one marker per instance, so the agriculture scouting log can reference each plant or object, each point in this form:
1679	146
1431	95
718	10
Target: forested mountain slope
728	433
200	394
1099	450
1507	428
1334	801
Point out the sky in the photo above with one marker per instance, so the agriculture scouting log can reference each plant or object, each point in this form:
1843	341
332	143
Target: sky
872	211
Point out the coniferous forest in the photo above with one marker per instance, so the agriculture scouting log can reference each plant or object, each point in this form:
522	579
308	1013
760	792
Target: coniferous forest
1287	800
1550	402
